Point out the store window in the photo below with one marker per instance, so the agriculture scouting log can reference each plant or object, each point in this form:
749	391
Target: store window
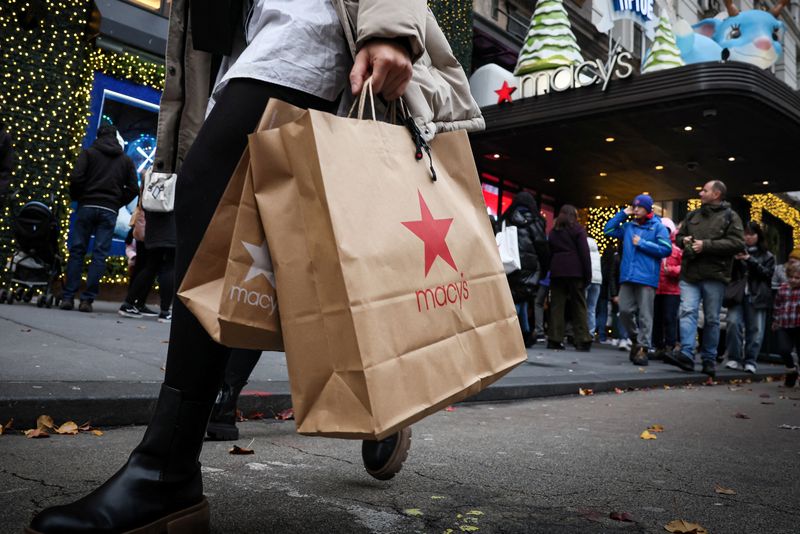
159	6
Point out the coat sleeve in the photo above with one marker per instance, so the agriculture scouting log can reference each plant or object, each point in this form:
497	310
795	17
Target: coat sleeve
661	247
393	19
729	244
763	269
77	179
672	267
615	225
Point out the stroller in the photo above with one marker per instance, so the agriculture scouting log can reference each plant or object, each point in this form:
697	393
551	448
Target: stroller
36	264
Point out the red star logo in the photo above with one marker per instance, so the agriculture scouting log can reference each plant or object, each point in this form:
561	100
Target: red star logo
432	232
504	93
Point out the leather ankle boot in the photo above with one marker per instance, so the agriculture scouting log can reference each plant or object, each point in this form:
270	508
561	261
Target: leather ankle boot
222	425
159	489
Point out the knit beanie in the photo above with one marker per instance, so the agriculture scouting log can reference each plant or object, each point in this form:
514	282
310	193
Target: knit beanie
645	201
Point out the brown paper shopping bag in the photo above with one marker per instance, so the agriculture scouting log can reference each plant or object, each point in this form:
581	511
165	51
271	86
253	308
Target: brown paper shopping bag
230	286
394	303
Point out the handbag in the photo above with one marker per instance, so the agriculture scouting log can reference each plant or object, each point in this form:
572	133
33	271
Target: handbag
734	292
508	244
158	193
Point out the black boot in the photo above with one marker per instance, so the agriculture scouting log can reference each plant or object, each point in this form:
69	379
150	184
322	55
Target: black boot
384	459
160	486
222	425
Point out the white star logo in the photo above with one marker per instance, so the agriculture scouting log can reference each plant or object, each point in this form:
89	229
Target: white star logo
262	263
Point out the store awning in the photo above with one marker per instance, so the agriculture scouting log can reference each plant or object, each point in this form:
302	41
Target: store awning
672	131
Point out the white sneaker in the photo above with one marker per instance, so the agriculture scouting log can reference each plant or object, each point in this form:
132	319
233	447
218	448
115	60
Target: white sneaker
733	364
615	342
625	344
749	368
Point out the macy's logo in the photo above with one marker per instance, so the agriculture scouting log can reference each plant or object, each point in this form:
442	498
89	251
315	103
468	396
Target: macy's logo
443	295
254	298
262	265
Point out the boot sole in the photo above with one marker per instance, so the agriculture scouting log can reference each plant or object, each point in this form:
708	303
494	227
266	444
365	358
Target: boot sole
395	462
192	520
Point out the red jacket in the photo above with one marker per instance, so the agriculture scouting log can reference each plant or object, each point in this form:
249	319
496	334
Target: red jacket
668	282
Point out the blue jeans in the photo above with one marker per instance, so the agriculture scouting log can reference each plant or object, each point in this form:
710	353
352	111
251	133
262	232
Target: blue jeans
89	221
711	293
592	294
522	314
745	319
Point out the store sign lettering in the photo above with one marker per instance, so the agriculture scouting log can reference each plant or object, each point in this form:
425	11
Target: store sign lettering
580	75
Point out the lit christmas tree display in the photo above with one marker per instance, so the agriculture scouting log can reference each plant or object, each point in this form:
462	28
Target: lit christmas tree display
550	42
664	53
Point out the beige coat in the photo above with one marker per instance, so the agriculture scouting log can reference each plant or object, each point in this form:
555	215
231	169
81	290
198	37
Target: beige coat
438	95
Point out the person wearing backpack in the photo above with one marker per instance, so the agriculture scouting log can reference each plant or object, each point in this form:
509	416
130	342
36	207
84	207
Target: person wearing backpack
710	238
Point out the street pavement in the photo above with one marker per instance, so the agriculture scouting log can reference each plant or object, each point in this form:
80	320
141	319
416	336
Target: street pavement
555	465
108	369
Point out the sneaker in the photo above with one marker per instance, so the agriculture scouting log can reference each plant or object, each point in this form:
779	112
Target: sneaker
615	342
555	345
625	344
679	359
146	312
749	368
733	365
85	306
634	350
607	341
709	368
129	310
67	305
165	317
791	378
640	358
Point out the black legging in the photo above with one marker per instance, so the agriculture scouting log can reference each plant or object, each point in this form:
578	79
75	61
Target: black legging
158	261
195	363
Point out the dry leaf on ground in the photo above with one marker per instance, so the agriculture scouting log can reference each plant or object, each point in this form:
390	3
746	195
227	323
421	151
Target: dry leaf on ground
239	450
618	391
70	427
585	392
6	427
36	433
684	527
621	516
43	422
647	435
740	415
723	491
789	427
414	512
450	409
655	428
97	432
285	415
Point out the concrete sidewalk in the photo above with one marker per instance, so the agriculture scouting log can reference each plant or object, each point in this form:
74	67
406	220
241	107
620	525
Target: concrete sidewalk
108	369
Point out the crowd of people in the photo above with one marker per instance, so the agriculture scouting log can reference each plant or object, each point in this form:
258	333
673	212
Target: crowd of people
660	290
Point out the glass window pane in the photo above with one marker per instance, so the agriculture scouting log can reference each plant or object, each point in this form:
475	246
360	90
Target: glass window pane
154	5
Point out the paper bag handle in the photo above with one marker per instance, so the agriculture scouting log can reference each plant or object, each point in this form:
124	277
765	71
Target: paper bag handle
362	100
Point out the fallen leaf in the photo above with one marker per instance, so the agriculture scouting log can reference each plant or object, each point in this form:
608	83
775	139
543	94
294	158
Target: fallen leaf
647	435
709	382
44	422
142	327
7	426
474	512
642	370
585	392
468	528
70	427
24	329
769	379
789	427
735	388
97	432
618	391
740	415
35	433
85	427
255	416
450	409
684	527
437	497
239	450
724	491
285	415
414	512
655	428
621	516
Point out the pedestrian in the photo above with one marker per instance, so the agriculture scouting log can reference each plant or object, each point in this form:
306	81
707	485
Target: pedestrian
645	242
570	273
668	298
539	306
710	237
604	299
594	287
786	321
523	213
623	342
103	180
7	162
748	315
299	52
779	277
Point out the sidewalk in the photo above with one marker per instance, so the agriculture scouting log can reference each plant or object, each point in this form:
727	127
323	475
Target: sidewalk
108	369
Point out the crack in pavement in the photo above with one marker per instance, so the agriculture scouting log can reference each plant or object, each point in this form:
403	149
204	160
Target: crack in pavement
311	453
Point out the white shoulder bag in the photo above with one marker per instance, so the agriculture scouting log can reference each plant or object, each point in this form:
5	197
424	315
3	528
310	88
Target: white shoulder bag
508	245
159	191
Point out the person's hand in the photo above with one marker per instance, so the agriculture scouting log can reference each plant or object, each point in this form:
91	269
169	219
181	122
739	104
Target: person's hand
628	210
687	240
636	239
387	62
697	245
742	256
615	300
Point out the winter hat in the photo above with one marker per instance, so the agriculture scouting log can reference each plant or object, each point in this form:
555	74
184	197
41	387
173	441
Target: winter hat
645	201
669	225
795	254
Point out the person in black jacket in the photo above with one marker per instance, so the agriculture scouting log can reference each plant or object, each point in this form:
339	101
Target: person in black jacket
103	180
757	265
532	241
7	162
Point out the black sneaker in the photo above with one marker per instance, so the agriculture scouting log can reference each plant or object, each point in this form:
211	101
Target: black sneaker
165	317
146	312
679	359
555	345
67	305
709	368
640	358
129	310
791	378
85	306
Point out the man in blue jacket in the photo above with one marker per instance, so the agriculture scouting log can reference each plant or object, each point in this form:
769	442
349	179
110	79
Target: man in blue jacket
645	242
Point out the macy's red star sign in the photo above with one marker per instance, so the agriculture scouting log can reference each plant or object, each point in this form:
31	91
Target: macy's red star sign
432	232
504	93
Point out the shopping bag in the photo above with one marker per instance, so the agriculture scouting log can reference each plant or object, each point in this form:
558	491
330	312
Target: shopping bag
230	285
508	246
394	303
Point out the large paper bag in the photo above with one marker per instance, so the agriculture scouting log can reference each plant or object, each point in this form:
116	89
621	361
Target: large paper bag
394	303
230	285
